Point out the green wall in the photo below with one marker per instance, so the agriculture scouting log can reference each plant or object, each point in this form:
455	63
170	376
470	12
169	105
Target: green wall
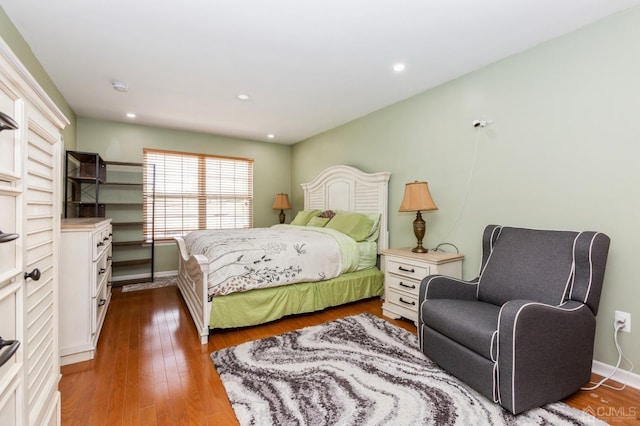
21	49
563	153
125	142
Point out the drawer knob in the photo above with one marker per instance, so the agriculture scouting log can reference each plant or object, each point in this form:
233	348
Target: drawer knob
105	239
412	303
34	275
102	302
100	244
406	270
407	285
102	271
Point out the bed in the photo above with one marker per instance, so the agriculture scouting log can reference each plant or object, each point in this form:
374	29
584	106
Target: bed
338	189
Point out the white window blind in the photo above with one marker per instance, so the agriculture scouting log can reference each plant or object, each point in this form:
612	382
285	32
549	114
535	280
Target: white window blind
196	191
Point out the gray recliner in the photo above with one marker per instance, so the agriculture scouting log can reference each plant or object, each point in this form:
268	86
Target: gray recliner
521	333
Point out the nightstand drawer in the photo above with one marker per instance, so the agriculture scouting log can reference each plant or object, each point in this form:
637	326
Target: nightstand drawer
408	303
404	284
406	269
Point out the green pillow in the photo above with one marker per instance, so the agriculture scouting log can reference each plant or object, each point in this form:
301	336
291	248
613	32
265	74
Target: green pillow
304	216
356	225
318	222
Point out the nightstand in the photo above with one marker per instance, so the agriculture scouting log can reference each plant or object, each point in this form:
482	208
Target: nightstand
403	271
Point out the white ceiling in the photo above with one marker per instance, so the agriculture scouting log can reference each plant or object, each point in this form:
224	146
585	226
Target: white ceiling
308	65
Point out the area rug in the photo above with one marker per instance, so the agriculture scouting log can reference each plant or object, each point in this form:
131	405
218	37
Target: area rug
359	370
157	283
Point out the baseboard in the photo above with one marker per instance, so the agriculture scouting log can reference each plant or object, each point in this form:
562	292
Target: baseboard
144	276
622	376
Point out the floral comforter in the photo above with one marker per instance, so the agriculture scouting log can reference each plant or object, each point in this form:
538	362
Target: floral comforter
245	259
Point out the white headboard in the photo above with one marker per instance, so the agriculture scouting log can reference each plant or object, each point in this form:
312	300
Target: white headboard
351	189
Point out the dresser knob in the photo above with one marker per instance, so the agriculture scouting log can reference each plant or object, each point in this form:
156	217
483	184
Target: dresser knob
34	275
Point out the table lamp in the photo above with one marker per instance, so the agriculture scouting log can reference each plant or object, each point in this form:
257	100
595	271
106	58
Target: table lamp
281	203
417	198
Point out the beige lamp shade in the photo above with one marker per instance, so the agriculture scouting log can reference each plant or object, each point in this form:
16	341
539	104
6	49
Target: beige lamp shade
282	202
417	198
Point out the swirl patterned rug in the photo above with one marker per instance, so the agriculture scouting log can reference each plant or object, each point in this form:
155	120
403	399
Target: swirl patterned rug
359	370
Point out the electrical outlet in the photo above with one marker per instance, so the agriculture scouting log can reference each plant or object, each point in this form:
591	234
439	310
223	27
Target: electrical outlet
623	317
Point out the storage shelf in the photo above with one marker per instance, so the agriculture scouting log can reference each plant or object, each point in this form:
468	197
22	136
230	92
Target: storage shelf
121	184
123	163
132	262
127	223
91	181
131	243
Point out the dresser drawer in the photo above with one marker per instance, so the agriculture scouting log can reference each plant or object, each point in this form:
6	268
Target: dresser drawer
406	269
101	240
100	305
408	285
102	270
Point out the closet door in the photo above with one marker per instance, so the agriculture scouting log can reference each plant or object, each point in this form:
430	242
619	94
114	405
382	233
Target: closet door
11	262
41	228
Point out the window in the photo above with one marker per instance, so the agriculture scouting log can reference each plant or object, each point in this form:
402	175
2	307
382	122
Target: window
195	191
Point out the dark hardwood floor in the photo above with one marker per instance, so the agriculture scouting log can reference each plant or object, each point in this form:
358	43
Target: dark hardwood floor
150	368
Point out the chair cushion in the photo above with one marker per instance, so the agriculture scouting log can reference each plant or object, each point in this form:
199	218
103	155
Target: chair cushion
528	264
470	323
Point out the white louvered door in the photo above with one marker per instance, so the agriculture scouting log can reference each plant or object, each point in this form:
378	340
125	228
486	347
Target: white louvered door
42	228
30	207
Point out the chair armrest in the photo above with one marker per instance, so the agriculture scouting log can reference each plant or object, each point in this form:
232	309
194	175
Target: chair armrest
444	287
544	352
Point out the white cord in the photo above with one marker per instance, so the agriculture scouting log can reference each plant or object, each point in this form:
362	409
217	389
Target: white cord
616	327
466	193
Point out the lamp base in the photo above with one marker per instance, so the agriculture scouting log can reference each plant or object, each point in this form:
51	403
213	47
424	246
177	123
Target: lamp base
281	216
419	229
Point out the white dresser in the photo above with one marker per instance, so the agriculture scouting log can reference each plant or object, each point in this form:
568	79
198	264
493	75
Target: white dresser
403	272
29	246
85	286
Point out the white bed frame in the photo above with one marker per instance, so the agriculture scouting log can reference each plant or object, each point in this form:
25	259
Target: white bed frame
335	188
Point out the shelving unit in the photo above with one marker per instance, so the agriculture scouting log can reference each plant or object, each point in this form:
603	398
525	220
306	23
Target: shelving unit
124	197
84	172
114	189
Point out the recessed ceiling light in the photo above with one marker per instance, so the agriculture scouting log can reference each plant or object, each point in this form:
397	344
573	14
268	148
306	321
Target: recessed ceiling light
243	97
271	136
398	67
131	115
119	86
